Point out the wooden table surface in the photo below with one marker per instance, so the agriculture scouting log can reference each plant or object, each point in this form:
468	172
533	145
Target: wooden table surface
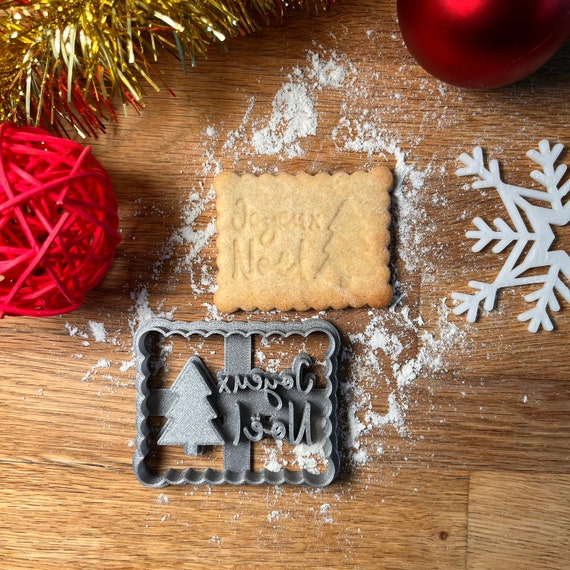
455	436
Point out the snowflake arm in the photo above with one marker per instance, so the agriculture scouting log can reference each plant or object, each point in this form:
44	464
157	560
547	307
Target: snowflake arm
470	303
475	166
487	292
550	176
504	235
491	178
546	299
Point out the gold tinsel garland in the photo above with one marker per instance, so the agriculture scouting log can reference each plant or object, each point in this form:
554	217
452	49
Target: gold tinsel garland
62	62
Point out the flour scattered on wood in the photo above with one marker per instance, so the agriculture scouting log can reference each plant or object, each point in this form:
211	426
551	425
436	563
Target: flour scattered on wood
326	513
162	499
98	331
275	515
102	363
293	118
383	358
192	241
295	114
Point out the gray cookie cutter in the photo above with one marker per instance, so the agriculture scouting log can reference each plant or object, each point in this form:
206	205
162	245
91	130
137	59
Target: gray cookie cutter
243	406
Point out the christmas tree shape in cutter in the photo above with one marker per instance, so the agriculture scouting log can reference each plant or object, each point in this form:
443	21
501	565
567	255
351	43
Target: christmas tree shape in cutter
533	259
240	406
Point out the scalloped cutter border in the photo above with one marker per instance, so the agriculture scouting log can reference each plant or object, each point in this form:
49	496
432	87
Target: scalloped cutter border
195	425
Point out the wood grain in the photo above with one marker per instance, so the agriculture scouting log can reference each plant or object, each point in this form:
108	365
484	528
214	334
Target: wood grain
518	520
453	433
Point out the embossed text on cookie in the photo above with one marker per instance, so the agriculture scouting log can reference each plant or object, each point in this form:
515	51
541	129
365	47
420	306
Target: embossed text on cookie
300	242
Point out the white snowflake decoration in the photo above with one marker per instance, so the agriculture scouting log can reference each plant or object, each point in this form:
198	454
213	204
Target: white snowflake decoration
532	247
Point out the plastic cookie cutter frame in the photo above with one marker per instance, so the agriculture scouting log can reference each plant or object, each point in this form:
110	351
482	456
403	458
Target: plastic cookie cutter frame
241	406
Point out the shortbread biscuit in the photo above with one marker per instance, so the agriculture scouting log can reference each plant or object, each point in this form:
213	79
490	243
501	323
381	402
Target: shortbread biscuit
303	242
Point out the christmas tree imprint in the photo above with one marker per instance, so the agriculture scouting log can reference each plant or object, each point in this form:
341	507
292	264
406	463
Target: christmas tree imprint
191	417
533	259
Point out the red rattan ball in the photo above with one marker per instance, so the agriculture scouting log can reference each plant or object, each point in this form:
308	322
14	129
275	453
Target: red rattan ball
58	222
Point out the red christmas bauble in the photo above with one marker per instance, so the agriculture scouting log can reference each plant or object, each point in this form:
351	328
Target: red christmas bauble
58	222
482	44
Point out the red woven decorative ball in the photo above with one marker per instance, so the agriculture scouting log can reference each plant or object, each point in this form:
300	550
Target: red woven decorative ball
58	222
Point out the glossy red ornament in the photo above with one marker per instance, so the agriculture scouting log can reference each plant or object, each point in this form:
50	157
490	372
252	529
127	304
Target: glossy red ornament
58	222
481	44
